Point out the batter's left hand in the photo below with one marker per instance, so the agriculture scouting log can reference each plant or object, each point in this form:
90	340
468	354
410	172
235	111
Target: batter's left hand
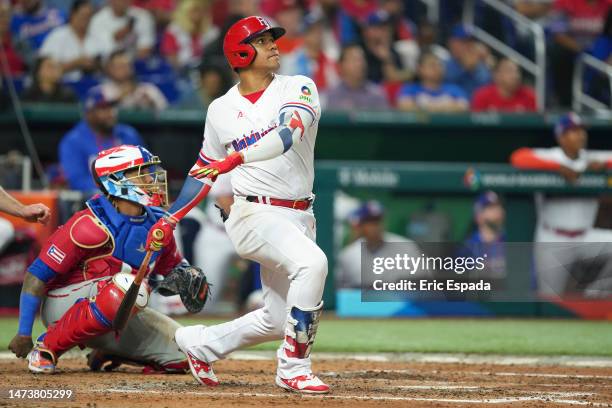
36	213
213	169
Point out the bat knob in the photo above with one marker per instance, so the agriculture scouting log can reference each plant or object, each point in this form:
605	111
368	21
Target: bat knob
158	234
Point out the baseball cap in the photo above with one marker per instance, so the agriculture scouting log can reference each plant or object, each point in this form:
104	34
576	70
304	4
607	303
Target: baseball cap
101	95
378	17
568	121
462	32
484	200
368	211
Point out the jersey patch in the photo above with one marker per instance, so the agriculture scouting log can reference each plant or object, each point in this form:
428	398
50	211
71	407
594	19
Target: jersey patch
87	232
56	254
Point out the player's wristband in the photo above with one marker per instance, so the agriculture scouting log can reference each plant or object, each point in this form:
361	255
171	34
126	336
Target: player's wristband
28	306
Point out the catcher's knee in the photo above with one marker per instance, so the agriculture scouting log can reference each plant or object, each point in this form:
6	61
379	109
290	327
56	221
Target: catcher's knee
111	293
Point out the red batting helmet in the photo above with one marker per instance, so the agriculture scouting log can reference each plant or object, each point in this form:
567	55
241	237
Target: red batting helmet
236	47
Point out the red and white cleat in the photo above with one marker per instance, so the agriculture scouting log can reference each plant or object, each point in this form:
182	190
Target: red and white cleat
309	384
200	369
41	361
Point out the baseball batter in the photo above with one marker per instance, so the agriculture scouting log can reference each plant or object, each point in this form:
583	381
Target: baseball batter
264	129
565	221
86	266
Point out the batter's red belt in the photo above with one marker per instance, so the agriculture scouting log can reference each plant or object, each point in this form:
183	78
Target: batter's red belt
302	204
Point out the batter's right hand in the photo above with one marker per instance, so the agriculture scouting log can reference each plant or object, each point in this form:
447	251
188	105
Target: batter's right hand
154	242
21	345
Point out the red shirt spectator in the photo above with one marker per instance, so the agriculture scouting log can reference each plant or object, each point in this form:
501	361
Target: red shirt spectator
581	19
359	9
507	93
489	98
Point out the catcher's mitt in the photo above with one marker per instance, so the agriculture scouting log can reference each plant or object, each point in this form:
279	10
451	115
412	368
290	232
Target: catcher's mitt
190	283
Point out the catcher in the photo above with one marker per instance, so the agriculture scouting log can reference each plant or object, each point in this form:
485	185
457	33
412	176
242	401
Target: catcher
83	271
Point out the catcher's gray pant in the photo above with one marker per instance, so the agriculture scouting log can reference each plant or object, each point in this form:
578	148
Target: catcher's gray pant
147	338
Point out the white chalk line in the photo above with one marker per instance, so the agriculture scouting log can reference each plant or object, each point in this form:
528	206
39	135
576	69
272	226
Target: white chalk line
479	373
438	358
541	398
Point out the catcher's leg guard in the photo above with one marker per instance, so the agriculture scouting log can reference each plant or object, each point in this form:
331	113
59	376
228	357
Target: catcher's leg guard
301	329
89	318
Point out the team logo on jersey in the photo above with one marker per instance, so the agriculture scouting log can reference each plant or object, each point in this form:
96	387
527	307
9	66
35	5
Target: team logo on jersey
240	115
306	91
252	138
56	254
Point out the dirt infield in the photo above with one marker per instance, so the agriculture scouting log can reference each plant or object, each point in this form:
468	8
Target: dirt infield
355	384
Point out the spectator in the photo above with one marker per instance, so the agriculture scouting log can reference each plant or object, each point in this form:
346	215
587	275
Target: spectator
384	62
488	238
467	67
533	9
16	66
132	94
507	93
562	218
431	93
72	45
339	28
367	224
597	83
310	59
403	33
183	41
161	10
119	25
46	86
427	38
31	24
574	26
96	132
214	82
602	46
359	10
354	92
288	14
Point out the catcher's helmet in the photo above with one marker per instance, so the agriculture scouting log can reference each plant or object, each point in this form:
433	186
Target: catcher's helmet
146	186
236	47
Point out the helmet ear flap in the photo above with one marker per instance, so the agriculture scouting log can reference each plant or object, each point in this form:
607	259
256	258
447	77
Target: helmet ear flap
245	54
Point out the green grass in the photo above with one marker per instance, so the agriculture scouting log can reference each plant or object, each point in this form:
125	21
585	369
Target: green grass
507	336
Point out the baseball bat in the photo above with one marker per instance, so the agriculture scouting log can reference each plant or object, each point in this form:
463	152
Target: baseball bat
127	304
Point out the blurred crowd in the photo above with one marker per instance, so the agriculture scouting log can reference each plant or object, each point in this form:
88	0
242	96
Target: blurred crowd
362	54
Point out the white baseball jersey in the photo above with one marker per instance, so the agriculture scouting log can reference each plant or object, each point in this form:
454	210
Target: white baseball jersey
233	123
569	213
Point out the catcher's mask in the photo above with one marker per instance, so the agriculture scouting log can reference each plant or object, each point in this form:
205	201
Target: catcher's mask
131	173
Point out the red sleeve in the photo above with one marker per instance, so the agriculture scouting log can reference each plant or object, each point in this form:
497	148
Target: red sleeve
168	259
530	100
169	45
60	252
479	100
525	158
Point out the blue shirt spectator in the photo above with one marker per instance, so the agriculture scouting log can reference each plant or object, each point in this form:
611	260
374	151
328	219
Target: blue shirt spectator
96	132
466	67
31	25
431	94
